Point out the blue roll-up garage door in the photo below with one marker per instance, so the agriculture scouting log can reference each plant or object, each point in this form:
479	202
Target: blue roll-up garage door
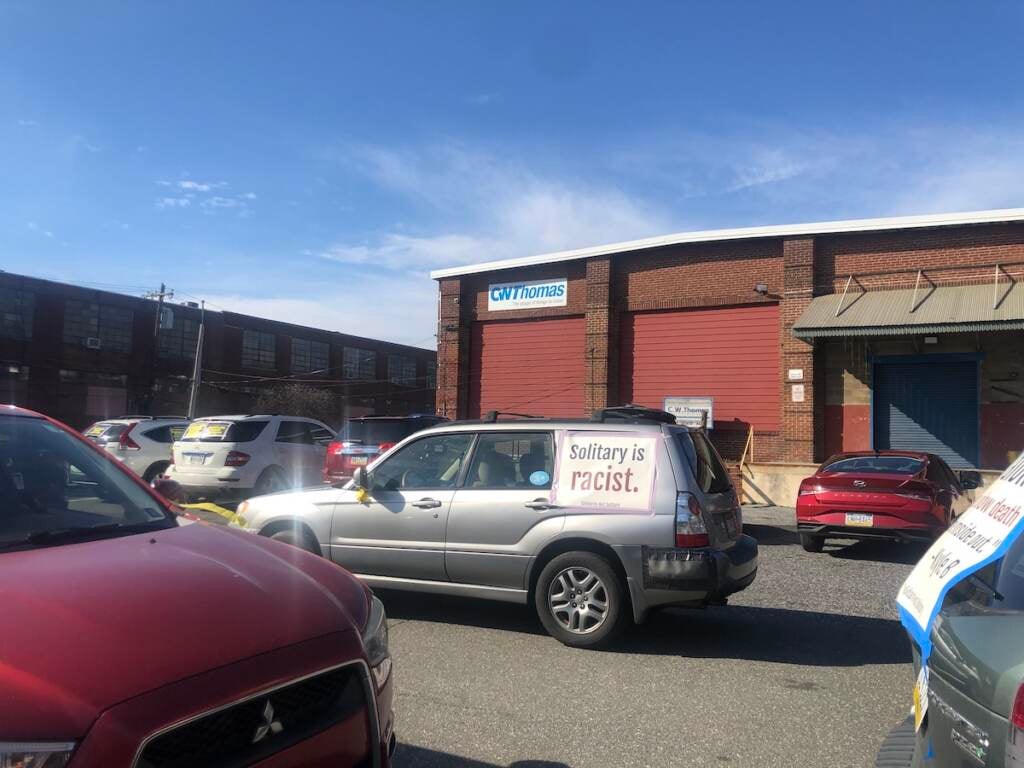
928	406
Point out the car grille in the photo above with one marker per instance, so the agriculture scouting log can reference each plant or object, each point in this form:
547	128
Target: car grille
243	733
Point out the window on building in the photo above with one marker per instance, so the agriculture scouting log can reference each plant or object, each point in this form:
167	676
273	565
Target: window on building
259	349
85	322
431	374
178	340
16	308
359	363
308	356
402	370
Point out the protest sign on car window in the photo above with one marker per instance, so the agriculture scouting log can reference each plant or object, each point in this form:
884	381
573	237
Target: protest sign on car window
979	536
605	470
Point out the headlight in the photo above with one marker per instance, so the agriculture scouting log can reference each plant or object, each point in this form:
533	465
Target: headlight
34	754
375	641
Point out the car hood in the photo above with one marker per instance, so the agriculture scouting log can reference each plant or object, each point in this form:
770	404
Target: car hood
89	625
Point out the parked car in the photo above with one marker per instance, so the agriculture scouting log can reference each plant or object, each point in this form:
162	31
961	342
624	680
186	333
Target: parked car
131	638
896	495
141	443
364	439
467	508
232	456
975	713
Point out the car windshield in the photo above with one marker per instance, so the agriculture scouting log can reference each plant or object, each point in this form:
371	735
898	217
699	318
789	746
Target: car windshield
891	465
56	489
377	431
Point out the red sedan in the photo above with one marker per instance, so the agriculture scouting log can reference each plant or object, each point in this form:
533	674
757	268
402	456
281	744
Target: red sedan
896	495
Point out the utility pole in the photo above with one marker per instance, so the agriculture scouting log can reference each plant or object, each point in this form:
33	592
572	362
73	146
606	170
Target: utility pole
197	366
160	295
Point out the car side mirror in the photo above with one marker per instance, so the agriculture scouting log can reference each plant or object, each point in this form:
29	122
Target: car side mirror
970	479
360	478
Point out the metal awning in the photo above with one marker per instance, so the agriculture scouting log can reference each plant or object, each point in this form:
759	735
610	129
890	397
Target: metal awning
925	309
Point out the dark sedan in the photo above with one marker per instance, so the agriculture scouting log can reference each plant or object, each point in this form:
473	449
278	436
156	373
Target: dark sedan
901	495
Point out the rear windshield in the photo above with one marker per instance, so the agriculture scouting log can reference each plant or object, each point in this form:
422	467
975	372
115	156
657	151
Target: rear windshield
223	431
975	592
891	465
708	469
377	431
104	432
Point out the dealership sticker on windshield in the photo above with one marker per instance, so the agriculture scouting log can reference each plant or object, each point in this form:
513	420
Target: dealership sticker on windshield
979	536
612	471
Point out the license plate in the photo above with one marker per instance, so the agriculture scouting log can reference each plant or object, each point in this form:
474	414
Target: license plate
196	458
859	520
357	461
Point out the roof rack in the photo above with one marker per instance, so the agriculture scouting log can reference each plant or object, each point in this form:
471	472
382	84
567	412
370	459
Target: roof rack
142	417
632	413
492	416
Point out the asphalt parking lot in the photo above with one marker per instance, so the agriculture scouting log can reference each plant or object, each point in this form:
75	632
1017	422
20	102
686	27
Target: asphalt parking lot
807	667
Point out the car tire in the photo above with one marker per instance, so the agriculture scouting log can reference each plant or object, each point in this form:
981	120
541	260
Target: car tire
155	470
899	748
298	537
812	543
568	594
271	480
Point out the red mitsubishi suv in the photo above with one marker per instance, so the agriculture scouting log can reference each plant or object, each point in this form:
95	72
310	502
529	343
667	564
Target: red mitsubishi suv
132	636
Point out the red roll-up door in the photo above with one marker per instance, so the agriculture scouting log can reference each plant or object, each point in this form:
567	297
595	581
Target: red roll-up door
530	366
729	353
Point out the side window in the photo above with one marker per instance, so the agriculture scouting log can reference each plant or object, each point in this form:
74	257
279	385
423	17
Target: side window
708	469
432	462
159	435
296	432
321	435
512	460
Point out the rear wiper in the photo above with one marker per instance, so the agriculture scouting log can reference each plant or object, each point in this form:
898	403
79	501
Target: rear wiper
990	587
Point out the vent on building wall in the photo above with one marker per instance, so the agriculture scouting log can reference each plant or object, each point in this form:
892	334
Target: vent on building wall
92	343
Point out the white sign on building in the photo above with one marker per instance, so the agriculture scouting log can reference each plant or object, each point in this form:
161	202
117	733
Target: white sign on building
689	411
527	295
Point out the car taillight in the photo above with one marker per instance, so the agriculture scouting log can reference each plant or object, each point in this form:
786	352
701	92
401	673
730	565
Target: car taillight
690	528
125	442
383	447
809	490
236	459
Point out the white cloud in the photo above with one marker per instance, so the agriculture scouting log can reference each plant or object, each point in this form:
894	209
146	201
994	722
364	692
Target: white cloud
36	228
199	186
402	309
222	202
173	202
249	195
503	209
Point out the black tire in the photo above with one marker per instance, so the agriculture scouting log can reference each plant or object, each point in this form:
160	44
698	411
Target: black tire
899	748
566	569
155	470
298	537
271	480
812	543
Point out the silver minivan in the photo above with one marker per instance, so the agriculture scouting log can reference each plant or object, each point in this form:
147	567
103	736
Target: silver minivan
593	522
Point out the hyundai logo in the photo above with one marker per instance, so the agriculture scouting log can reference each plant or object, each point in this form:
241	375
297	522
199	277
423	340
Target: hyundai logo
270	725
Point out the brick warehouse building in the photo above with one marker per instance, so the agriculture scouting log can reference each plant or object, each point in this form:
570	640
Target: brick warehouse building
81	355
810	339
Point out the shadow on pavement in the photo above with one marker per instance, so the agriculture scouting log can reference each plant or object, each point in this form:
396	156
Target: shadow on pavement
770	535
878	551
751	633
780	635
409	756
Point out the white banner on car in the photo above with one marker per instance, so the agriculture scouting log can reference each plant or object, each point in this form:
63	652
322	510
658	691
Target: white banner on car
605	470
979	536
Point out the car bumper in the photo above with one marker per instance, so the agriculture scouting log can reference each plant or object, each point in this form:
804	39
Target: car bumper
883	527
671	576
219	483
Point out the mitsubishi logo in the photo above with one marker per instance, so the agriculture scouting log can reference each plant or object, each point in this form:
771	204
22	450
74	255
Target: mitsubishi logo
270	725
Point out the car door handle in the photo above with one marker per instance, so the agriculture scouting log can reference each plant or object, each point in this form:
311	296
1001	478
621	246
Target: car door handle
541	504
427	503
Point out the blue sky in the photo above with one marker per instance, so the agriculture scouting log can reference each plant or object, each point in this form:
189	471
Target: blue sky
312	161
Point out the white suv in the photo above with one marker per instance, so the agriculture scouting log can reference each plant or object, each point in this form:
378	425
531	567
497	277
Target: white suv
232	456
141	443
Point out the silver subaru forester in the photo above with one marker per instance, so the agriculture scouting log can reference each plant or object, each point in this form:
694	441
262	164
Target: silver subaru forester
592	521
